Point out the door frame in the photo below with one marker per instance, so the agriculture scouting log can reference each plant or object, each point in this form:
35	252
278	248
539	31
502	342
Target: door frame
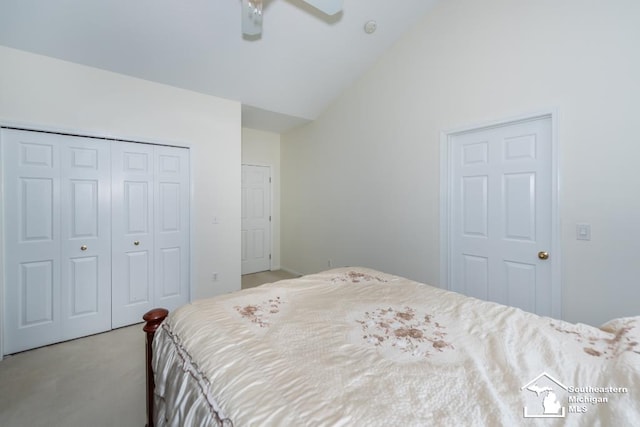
28	126
446	168
271	212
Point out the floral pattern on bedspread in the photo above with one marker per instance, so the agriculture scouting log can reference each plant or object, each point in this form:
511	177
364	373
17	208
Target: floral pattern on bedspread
621	339
404	331
260	314
357	277
395	353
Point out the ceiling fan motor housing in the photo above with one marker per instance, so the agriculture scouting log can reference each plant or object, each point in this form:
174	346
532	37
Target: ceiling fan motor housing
252	13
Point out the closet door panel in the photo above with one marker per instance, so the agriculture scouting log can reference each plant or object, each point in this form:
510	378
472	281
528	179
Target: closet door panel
86	236
36	293
31	170
137	271
171	226
84	288
132	187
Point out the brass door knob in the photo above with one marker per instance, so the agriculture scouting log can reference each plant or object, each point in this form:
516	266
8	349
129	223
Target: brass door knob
543	255
83	247
137	242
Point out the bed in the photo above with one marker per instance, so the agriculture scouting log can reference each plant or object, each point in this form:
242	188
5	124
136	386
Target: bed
359	347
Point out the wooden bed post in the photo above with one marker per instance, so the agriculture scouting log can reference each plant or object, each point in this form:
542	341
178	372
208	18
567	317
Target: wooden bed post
153	319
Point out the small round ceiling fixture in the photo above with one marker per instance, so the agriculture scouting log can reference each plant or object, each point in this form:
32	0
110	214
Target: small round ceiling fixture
370	27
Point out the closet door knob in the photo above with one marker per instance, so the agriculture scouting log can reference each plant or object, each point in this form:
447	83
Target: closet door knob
137	242
83	247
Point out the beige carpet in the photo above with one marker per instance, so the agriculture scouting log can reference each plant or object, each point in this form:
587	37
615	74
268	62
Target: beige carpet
92	381
89	382
257	279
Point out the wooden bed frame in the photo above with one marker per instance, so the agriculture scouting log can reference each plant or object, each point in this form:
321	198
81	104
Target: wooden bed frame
153	319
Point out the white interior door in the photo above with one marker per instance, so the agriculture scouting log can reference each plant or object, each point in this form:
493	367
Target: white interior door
500	215
256	218
31	164
96	233
85	228
132	231
150	196
171	227
57	203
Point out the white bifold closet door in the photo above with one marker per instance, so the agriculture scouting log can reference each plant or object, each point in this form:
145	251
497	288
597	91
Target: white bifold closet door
96	233
150	249
57	238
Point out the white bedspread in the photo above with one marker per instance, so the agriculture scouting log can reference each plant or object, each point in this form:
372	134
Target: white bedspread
357	347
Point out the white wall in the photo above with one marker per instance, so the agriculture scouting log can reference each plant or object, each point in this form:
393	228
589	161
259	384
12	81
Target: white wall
361	183
262	148
52	93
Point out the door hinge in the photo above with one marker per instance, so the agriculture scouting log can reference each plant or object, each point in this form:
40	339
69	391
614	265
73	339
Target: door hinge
269	217
269	179
269	256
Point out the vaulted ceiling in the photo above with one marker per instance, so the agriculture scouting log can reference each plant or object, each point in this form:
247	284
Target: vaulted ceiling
284	78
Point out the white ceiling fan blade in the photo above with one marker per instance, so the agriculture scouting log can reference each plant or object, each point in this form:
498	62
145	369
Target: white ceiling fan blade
251	17
330	7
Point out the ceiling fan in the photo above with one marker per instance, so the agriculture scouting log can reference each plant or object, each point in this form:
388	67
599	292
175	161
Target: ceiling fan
252	13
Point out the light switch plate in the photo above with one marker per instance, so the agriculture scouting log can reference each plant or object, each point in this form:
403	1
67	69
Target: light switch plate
583	231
